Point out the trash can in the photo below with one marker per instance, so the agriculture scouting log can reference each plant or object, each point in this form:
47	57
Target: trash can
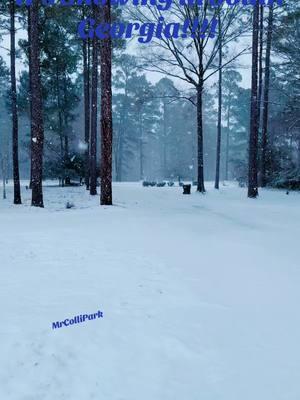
186	189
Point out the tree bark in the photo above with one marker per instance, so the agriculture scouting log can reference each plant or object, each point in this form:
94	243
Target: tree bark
106	113
266	100
260	61
227	141
37	123
219	128
30	79
141	145
15	128
200	158
65	130
165	138
86	84
93	144
3	165
253	138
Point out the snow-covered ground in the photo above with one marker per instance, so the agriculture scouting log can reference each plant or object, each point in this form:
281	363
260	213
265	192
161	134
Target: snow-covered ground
200	296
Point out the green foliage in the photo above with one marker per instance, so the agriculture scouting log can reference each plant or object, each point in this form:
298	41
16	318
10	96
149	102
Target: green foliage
284	125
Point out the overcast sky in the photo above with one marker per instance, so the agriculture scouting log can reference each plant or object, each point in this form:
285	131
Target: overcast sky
244	62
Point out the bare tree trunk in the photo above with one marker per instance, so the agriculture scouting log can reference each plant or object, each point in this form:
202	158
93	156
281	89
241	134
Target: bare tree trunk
227	141
253	139
86	79
219	128
266	101
37	123
65	130
60	126
30	79
260	61
260	84
200	159
93	161
15	128
165	138
106	113
3	165
141	145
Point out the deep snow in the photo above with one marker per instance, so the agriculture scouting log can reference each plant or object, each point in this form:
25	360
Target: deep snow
200	296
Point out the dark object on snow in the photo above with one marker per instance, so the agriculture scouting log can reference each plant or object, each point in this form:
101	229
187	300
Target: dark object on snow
170	183
148	183
26	187
287	192
187	189
161	184
68	182
70	205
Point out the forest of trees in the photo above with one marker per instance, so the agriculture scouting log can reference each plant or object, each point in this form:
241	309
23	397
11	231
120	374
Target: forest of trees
186	109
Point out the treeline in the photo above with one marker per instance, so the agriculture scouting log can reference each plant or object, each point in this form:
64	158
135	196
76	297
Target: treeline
93	113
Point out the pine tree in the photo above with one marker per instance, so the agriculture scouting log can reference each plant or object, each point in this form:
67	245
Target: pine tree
253	138
94	100
219	125
266	99
106	112
37	124
15	128
86	84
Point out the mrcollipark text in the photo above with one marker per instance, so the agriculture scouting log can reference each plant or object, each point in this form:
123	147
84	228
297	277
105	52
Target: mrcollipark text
145	32
78	319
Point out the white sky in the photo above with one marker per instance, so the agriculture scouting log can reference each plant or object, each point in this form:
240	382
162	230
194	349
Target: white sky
244	62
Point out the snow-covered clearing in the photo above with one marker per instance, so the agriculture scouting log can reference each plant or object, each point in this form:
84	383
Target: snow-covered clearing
200	296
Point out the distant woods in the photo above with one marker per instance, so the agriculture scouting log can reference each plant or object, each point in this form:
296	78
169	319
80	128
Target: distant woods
92	111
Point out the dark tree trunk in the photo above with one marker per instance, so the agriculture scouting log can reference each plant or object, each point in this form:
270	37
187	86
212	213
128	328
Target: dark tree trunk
106	113
260	61
86	79
253	139
227	140
141	145
66	133
30	79
3	166
219	128
37	125
93	144
264	154
165	139
15	128
59	111
200	183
